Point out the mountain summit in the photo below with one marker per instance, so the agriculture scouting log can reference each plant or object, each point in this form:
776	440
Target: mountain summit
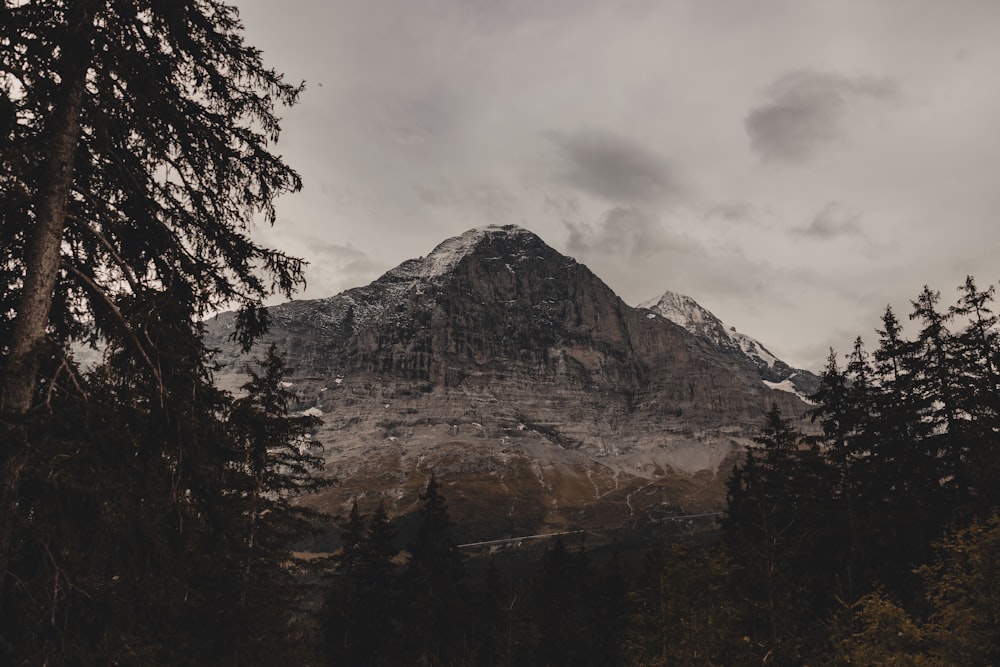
539	398
689	314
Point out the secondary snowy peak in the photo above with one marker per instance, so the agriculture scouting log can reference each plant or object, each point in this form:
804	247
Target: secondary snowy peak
686	312
449	253
689	314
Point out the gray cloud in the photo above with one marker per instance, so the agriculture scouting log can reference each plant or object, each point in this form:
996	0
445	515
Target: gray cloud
733	211
491	202
613	167
660	258
805	110
833	220
623	230
334	267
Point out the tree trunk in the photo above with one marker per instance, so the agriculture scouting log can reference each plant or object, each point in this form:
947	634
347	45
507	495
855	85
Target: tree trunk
41	265
41	262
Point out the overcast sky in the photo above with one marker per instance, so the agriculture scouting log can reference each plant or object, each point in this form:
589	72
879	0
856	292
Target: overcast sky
792	165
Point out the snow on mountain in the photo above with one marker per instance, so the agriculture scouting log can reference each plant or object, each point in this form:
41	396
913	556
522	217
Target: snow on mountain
788	386
519	375
357	307
450	252
687	313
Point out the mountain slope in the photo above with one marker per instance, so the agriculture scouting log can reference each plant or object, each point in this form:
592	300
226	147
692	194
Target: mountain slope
537	396
775	373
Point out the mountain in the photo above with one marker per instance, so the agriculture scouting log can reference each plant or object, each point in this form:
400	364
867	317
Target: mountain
688	313
540	400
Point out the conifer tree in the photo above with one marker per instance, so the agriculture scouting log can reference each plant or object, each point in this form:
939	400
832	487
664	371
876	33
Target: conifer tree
380	634
779	517
564	605
434	583
979	391
362	621
274	462
135	160
936	388
136	157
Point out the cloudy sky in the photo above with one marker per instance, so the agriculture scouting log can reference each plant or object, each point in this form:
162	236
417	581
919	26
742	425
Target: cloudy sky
793	165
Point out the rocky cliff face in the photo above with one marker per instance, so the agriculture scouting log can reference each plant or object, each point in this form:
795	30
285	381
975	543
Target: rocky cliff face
687	313
538	397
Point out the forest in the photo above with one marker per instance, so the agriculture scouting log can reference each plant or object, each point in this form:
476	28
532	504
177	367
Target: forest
148	518
873	542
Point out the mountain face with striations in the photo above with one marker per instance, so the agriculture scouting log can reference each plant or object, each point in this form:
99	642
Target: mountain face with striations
540	400
686	312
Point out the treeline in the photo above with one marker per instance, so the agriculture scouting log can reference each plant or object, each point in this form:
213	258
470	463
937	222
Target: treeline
877	541
156	532
383	606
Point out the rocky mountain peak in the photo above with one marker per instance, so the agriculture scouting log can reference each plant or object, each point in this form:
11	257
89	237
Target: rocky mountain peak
519	376
503	241
687	313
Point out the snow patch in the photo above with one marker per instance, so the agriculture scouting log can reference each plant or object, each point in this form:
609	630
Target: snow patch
787	386
447	255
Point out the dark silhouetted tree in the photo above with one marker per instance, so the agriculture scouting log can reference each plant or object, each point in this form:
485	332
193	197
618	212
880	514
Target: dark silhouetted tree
434	584
135	160
780	523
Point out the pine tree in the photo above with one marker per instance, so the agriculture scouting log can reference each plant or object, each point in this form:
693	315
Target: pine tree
560	604
362	621
782	528
382	634
905	489
135	161
936	386
433	583
138	485
274	463
975	362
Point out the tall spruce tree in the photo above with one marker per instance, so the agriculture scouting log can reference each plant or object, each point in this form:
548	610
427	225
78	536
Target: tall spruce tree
136	158
563	607
434	583
938	392
274	461
780	526
976	360
361	620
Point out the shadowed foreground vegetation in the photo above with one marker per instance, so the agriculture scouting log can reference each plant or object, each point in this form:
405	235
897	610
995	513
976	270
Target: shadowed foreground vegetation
147	518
